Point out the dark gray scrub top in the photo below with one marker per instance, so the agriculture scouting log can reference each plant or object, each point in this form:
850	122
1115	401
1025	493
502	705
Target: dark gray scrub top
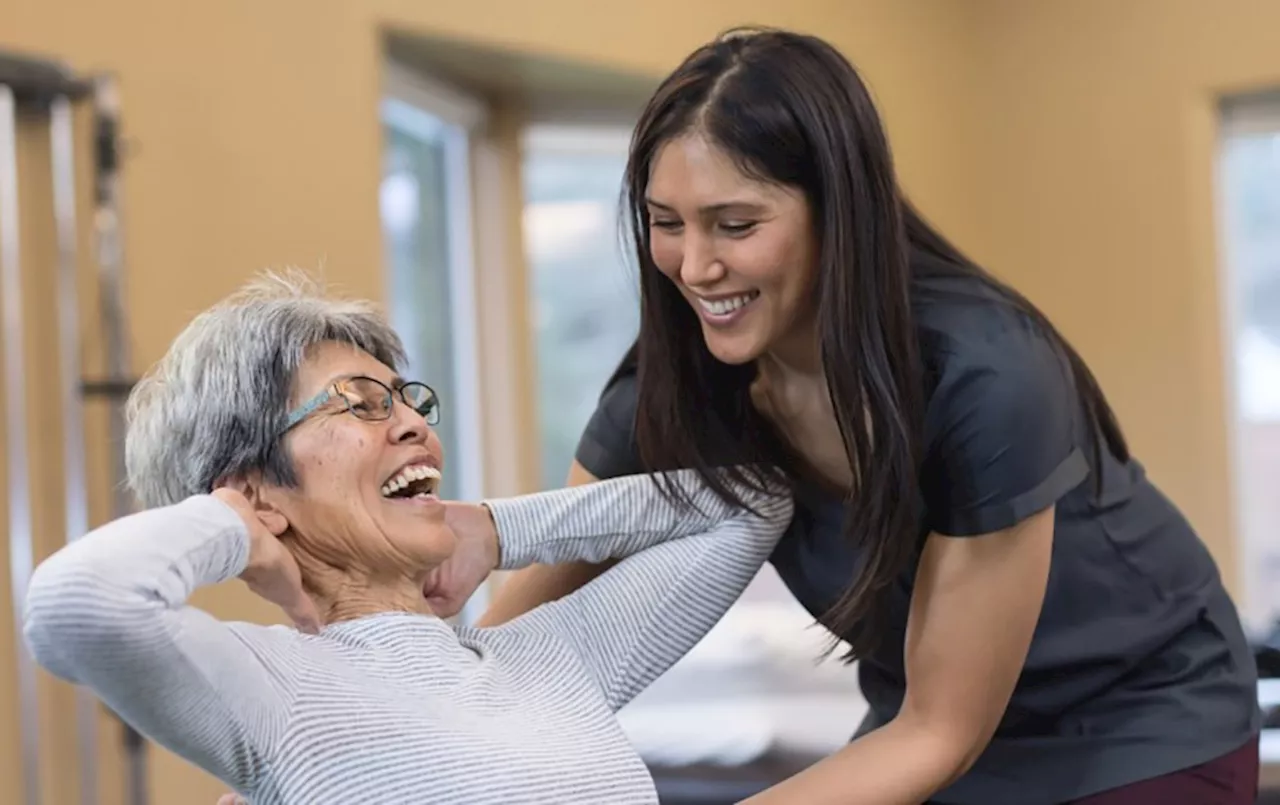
1139	666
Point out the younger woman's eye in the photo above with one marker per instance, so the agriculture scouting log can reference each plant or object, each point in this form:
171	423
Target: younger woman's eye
666	226
737	227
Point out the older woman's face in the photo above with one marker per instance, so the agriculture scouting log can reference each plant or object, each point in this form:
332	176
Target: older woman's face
338	512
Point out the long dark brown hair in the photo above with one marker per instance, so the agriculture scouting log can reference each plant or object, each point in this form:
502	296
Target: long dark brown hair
791	110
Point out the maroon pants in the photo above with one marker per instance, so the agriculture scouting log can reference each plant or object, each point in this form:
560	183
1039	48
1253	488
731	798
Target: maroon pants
1228	780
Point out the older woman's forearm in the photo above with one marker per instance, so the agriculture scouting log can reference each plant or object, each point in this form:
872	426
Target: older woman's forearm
112	589
612	519
634	622
536	585
527	589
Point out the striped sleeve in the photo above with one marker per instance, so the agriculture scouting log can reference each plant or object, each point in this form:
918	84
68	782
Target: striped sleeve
684	567
108	612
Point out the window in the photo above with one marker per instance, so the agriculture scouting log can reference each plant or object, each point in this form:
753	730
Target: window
425	204
585	298
1250	190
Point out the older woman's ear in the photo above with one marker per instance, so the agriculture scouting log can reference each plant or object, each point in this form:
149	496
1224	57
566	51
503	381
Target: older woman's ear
253	490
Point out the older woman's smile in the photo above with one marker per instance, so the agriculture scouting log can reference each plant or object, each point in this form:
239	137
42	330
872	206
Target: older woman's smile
417	481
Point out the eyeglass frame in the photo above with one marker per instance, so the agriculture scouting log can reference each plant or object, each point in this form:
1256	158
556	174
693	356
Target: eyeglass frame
333	390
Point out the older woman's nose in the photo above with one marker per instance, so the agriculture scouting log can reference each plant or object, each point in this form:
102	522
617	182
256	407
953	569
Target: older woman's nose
407	425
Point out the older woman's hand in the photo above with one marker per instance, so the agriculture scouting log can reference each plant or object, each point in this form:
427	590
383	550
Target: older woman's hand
272	572
475	556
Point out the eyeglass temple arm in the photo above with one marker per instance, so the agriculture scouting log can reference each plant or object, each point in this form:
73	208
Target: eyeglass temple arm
305	410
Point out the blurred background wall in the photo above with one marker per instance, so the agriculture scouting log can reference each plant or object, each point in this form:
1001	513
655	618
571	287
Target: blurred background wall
1072	145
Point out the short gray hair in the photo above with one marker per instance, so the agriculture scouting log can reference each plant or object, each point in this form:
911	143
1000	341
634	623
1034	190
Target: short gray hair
216	405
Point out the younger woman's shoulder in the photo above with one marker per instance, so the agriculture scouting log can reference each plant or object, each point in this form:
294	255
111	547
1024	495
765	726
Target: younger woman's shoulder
1003	422
607	448
966	326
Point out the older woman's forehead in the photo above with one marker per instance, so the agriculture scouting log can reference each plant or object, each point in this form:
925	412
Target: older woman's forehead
331	363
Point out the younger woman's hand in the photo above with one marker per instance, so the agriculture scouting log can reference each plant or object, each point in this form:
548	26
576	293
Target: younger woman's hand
272	572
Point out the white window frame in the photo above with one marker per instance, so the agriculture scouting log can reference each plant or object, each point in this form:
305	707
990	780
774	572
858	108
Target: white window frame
404	93
412	99
1238	117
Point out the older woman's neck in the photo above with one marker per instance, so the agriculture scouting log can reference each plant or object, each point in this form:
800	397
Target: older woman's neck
345	597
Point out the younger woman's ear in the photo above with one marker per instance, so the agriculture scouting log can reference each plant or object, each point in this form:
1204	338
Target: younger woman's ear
260	498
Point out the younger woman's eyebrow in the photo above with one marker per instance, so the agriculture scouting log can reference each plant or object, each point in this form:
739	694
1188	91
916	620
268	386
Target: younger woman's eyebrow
731	205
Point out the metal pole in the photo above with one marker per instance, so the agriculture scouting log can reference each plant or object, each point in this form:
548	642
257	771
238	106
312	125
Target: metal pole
20	547
48	86
106	221
75	481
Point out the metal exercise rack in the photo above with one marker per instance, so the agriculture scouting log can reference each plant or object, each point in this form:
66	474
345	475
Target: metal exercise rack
49	93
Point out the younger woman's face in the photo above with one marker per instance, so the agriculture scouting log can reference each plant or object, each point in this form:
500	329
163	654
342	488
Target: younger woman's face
740	250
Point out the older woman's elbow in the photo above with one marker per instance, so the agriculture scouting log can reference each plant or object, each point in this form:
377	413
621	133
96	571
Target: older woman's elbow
62	625
45	622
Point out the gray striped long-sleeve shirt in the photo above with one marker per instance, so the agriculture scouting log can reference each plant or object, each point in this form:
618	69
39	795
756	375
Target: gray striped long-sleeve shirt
398	708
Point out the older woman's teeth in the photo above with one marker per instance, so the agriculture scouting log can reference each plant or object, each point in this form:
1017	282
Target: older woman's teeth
413	475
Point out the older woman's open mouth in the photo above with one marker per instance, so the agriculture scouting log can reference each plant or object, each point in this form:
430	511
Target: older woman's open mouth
413	482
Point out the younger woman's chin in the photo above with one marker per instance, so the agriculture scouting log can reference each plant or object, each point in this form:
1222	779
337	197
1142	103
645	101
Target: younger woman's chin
734	351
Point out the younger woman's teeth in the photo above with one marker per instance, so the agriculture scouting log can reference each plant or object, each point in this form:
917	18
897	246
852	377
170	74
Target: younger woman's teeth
724	306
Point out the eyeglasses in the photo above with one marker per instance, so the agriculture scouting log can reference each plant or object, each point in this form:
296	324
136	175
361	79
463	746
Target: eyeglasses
372	400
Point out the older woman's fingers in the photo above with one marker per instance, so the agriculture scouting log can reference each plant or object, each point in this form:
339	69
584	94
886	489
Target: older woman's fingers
297	604
232	799
302	611
273	573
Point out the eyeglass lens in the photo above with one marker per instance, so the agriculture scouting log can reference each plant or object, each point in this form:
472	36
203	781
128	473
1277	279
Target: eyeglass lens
369	399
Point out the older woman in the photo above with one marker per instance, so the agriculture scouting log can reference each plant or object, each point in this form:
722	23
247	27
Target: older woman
276	443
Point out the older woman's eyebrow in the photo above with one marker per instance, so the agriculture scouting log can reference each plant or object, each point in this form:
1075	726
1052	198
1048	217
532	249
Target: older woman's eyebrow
395	381
328	384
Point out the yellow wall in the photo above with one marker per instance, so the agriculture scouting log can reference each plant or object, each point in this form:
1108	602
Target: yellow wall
1097	153
1067	141
256	128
